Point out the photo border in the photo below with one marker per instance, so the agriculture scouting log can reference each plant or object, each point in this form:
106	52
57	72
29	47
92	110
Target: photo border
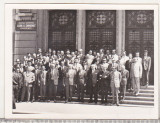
8	56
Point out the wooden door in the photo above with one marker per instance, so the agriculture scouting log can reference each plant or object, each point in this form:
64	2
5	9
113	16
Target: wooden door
62	29
100	30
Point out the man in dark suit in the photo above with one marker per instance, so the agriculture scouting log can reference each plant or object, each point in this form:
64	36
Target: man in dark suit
128	67
146	62
104	81
94	83
17	83
62	72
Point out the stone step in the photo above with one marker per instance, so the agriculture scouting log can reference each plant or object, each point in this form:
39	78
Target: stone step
148	88
145	98
137	102
146	91
125	102
139	98
141	94
129	100
126	98
134	105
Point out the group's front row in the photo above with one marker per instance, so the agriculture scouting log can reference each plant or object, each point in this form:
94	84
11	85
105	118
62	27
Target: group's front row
69	80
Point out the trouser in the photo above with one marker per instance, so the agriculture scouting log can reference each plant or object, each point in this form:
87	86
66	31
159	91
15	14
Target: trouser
55	92
36	91
33	91
129	84
16	92
20	93
24	92
136	84
114	93
61	88
81	91
30	93
51	87
104	92
123	87
69	92
42	90
145	77
93	92
13	96
13	100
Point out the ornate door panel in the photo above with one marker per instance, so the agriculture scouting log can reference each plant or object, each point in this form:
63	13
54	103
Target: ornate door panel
140	34
100	30
62	29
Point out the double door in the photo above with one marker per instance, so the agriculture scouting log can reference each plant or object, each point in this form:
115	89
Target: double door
100	30
140	34
62	30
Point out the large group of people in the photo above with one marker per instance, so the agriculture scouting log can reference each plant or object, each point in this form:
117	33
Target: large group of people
46	76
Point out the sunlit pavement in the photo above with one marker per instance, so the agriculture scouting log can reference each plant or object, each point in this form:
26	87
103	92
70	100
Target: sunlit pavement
65	108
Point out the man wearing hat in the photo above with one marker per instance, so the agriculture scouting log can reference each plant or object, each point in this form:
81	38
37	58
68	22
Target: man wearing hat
115	84
146	68
136	74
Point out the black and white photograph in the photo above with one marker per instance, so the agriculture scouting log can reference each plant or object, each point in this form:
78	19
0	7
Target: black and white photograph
88	62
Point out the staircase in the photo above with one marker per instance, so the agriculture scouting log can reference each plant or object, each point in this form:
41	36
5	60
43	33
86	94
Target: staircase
145	97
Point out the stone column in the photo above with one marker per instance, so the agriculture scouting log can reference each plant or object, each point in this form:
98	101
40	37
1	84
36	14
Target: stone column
80	30
45	29
120	31
42	30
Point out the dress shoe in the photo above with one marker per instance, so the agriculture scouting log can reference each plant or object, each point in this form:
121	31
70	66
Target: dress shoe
117	104
90	101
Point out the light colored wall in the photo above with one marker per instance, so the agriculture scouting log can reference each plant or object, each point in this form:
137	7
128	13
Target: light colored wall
23	41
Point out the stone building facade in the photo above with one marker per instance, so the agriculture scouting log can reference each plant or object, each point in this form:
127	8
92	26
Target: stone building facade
130	30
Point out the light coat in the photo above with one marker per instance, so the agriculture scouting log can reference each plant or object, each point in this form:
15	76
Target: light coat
136	70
